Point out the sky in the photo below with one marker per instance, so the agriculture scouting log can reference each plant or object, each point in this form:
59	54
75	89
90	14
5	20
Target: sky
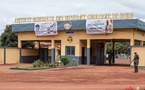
11	9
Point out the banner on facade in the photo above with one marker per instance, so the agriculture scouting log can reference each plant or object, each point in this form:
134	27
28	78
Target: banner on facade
46	29
99	26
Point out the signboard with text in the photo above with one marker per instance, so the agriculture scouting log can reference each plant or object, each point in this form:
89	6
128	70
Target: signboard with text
46	29
75	17
99	26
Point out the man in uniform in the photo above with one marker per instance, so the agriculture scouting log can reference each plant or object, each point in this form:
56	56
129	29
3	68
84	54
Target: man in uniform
136	61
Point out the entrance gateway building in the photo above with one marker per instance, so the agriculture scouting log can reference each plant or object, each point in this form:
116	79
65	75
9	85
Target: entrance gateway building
84	39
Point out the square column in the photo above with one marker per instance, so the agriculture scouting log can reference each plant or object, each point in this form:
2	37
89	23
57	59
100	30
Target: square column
113	52
88	52
141	43
20	54
132	42
19	44
52	51
105	49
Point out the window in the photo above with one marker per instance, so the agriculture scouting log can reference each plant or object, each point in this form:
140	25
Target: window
70	50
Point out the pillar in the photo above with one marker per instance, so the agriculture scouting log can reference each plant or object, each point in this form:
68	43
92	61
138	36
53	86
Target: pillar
132	41
113	52
36	43
141	43
19	44
88	52
105	50
52	51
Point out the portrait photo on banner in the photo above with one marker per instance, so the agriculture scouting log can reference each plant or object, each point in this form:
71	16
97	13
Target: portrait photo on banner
46	29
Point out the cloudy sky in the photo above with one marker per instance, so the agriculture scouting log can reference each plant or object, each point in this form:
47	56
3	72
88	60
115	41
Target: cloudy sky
11	9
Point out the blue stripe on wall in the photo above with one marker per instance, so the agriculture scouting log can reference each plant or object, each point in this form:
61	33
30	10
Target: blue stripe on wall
28	59
81	25
31	59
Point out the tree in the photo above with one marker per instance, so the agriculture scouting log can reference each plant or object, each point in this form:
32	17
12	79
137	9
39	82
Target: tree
120	47
27	44
10	39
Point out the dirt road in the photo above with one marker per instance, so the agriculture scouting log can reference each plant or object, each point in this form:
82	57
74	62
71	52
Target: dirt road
115	77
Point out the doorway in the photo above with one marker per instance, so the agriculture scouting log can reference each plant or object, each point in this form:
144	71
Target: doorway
100	54
43	54
83	55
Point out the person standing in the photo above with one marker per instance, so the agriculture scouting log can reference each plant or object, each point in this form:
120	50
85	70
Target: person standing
110	58
136	61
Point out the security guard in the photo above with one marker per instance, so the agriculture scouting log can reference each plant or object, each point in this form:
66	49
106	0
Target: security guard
136	61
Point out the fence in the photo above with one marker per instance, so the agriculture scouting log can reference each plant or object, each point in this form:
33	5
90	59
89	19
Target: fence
9	55
141	52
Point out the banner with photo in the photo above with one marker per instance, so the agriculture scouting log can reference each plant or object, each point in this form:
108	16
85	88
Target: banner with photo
46	29
101	26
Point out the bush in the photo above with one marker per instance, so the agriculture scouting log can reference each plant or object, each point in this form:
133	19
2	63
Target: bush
52	65
65	60
47	64
38	63
74	62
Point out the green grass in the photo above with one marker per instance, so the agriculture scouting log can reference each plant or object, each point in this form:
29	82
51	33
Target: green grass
50	66
29	68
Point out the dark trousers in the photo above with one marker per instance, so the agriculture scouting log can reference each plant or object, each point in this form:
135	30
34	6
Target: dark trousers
135	66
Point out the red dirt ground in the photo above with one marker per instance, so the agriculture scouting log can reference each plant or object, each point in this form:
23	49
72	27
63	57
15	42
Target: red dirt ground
115	77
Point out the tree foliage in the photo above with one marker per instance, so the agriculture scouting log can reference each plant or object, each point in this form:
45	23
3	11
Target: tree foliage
120	47
10	39
27	44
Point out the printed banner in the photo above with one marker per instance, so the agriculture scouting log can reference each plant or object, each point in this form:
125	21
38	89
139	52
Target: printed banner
46	29
99	26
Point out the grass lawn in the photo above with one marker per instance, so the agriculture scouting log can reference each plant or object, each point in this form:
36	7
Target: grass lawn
30	68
